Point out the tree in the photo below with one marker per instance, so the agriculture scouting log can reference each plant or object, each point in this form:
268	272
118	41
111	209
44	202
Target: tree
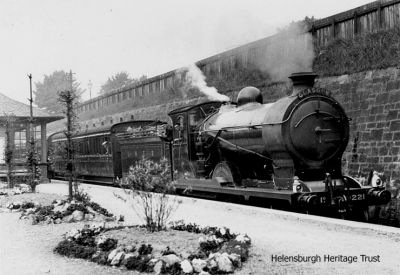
46	91
67	99
32	164
8	123
119	80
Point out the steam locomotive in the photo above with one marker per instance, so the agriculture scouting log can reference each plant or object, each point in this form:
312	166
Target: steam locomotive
289	150
286	151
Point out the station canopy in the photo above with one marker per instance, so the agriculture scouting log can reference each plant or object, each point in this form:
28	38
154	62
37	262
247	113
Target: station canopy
17	115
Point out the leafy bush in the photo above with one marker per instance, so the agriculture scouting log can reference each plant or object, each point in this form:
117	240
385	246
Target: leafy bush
100	257
139	263
108	244
218	239
237	78
75	250
210	246
377	50
240	248
86	240
73	207
223	233
145	249
27	205
145	178
96	207
81	196
150	176
190	227
43	211
174	269
198	255
58	215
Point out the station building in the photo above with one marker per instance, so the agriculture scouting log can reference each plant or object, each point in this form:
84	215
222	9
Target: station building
17	116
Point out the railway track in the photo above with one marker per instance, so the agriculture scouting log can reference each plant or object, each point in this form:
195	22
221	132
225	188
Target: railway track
390	219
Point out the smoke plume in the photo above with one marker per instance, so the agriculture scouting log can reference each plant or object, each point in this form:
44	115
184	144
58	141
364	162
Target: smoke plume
289	51
197	79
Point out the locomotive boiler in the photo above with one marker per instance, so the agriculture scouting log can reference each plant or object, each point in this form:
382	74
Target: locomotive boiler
287	150
303	134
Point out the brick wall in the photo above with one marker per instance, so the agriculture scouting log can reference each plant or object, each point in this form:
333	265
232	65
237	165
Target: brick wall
372	100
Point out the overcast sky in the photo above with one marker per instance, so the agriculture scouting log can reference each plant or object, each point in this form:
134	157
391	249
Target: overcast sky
98	38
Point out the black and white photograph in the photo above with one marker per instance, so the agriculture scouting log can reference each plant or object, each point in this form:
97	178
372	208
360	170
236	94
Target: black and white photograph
199	137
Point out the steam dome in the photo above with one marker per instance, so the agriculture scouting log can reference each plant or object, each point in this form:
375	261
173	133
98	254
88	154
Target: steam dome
249	94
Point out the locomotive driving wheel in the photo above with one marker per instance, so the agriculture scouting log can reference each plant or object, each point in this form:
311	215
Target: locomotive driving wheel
227	174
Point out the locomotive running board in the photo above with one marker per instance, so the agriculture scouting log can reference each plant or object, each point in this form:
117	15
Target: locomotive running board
212	186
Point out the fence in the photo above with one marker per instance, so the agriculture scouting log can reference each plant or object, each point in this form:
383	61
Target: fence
384	14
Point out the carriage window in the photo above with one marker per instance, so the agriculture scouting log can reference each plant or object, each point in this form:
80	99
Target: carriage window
93	146
90	146
97	144
193	119
179	126
179	129
106	146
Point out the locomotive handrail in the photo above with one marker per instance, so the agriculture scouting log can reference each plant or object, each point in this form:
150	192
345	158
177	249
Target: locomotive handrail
242	148
313	113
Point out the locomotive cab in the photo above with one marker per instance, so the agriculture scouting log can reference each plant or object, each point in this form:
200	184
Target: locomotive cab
188	160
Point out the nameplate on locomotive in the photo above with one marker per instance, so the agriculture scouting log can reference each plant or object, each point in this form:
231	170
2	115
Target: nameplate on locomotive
318	91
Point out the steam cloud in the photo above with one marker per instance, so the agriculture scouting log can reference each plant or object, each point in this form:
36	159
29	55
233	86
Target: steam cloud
197	79
289	51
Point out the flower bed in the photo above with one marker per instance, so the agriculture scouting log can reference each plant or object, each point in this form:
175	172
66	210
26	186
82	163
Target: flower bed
17	190
61	211
216	251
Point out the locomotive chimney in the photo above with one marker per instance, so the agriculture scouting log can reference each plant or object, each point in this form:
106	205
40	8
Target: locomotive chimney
302	81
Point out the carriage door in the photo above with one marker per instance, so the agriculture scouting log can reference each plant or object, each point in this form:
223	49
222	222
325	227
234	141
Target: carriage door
116	155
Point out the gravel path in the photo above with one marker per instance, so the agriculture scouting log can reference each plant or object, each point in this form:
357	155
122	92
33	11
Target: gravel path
273	233
27	249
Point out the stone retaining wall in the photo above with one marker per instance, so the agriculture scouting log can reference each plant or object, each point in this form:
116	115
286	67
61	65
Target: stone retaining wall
372	100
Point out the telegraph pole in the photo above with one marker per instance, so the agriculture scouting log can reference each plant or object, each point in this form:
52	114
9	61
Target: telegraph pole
70	80
31	131
90	85
69	135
